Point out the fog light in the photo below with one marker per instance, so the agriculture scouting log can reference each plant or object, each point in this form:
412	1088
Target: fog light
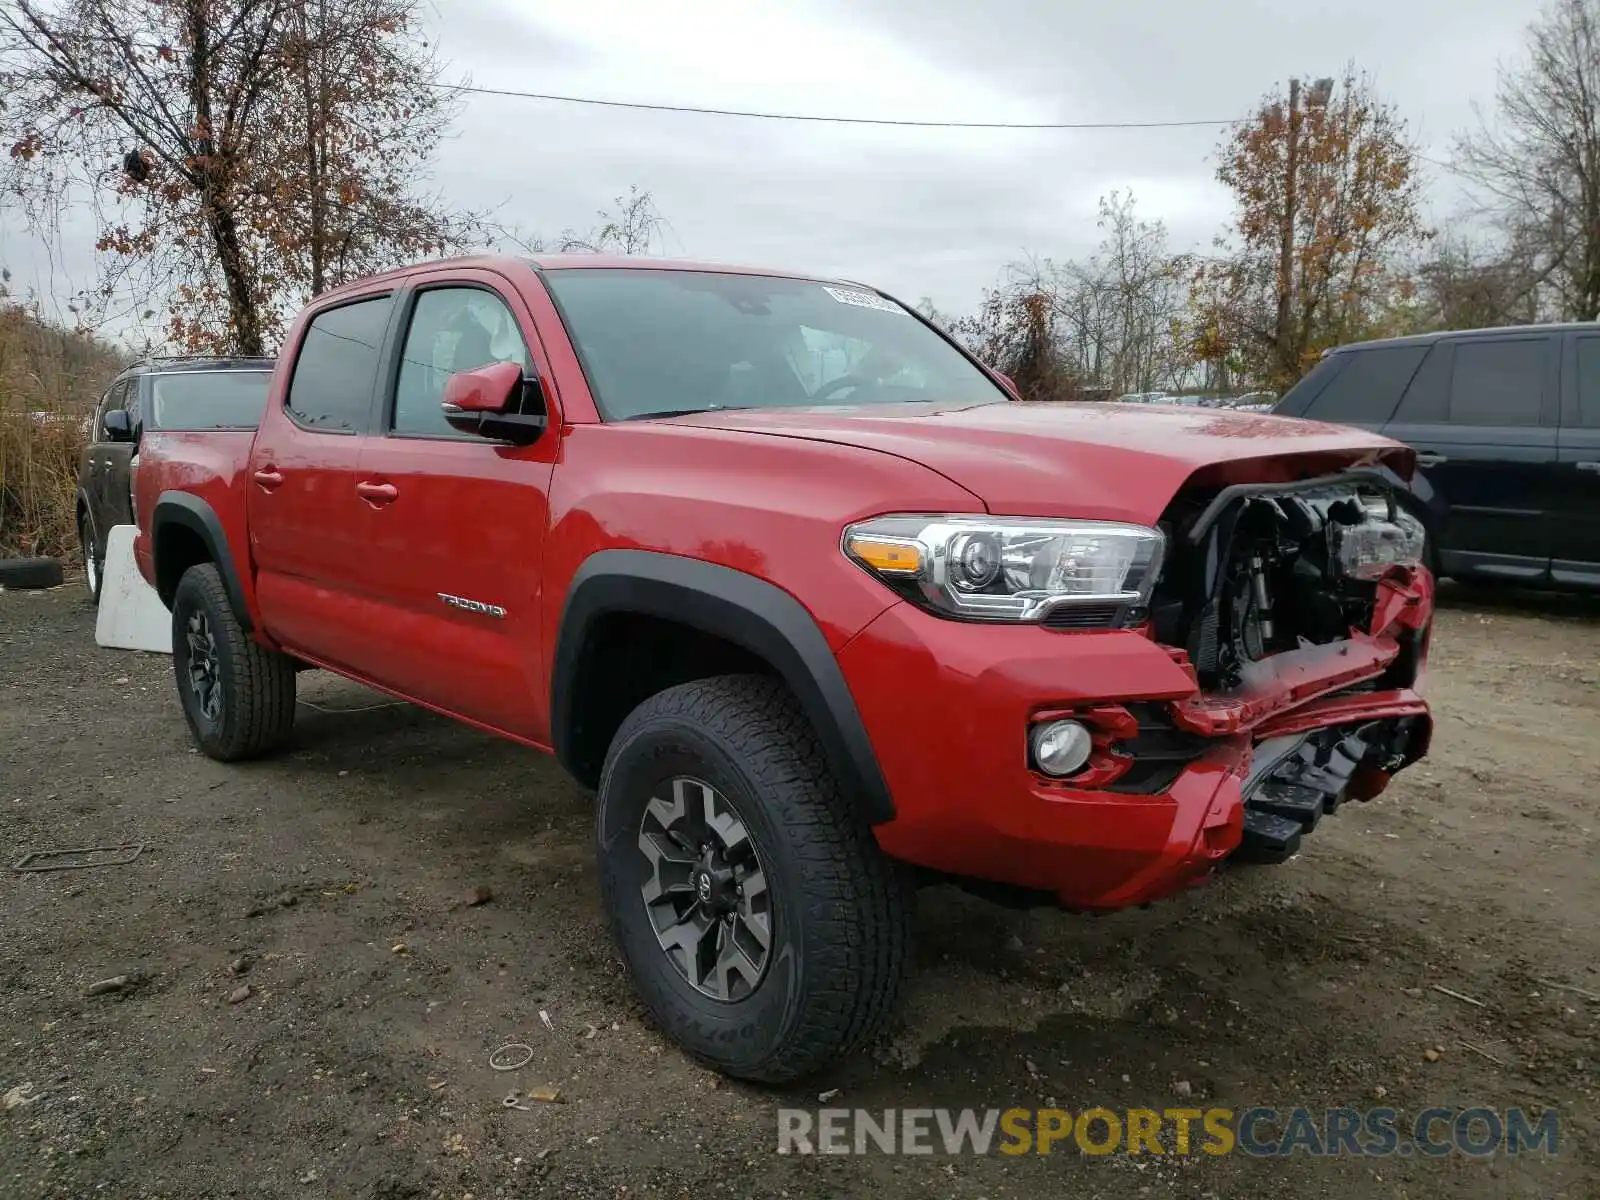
1061	747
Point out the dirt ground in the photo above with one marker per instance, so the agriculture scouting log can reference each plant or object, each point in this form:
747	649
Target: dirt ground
330	882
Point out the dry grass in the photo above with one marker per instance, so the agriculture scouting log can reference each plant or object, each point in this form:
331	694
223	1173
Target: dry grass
50	381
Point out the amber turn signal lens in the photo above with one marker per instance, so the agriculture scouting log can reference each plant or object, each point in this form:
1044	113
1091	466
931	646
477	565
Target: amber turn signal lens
890	558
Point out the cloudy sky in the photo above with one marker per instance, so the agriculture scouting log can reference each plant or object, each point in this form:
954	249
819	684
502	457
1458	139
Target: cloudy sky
920	212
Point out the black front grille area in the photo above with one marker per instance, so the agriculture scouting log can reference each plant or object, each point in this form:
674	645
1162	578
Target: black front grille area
1160	752
1071	617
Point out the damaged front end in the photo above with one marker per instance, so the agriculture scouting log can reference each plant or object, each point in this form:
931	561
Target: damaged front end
1302	611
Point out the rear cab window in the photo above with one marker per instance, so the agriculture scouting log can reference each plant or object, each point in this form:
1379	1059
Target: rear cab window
336	368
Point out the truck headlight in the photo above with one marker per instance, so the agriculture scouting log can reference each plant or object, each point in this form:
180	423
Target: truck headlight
1391	538
1008	568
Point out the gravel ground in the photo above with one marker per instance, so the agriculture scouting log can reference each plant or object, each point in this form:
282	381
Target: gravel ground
333	884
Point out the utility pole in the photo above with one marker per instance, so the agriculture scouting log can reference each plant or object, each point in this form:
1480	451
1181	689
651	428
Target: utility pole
1286	233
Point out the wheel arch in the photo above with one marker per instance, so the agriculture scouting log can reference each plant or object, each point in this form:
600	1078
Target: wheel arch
753	621
184	532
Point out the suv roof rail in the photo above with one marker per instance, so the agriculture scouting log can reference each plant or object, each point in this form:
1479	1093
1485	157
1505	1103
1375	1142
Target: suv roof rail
167	358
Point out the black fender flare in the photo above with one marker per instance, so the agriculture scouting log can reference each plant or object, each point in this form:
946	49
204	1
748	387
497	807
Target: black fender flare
181	510
739	608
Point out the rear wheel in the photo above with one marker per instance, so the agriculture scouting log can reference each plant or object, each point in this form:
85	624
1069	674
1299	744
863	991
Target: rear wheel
94	562
237	695
763	927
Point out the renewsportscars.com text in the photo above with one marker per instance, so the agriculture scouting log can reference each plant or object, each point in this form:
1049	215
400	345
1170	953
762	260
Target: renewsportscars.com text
1259	1132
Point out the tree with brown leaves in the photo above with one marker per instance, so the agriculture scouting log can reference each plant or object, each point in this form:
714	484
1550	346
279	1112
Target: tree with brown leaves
1327	196
241	155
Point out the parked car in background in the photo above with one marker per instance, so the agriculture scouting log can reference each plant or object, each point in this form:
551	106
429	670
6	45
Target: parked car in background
1252	402
190	393
809	599
1506	425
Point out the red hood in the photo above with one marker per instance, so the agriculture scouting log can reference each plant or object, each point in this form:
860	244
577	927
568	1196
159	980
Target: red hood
1107	461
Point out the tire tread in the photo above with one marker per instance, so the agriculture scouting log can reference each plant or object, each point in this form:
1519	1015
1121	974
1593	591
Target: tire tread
856	901
262	684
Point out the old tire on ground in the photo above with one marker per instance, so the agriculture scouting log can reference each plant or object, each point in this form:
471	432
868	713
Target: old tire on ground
23	573
237	695
93	556
720	822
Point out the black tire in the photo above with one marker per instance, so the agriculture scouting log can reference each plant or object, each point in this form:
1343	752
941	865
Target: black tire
23	573
840	911
254	687
93	556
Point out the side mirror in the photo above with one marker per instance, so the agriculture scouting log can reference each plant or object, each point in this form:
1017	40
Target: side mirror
489	402
119	426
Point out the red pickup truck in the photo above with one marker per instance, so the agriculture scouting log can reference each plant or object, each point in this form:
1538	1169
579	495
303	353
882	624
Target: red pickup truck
810	599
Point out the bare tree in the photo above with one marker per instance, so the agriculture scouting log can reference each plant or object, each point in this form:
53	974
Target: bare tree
1121	308
635	226
363	108
1462	283
1536	166
1109	323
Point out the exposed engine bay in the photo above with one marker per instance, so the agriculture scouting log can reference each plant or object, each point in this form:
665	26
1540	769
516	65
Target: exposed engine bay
1254	571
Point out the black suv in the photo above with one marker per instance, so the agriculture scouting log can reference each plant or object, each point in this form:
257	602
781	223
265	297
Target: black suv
155	394
1506	425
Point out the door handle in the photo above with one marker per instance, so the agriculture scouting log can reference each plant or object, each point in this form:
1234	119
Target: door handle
268	478
1431	460
377	493
1593	467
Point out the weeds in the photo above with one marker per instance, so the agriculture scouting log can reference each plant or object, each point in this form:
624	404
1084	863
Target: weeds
50	381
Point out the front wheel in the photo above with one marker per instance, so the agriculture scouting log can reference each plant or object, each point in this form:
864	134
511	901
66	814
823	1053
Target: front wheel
237	695
764	929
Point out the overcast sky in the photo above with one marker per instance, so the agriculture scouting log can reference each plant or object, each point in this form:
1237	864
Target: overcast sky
932	213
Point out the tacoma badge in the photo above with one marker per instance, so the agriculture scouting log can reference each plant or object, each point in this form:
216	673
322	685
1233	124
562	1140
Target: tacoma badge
477	606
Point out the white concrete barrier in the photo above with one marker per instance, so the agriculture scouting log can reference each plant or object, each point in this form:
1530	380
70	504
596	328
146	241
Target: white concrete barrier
131	615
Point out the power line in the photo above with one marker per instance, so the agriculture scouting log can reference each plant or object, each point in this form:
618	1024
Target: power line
814	117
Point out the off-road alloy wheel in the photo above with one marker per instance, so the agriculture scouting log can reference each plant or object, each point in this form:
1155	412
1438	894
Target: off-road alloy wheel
94	564
762	926
237	695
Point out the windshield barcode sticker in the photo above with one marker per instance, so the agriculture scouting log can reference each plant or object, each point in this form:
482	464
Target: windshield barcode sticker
862	299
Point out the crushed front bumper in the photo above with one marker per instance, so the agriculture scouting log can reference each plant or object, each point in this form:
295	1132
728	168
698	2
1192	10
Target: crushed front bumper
1182	780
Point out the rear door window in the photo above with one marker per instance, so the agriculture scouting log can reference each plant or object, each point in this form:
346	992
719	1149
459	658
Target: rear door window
337	367
1368	388
1497	382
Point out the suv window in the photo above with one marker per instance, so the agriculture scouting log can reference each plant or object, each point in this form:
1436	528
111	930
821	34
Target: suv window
1369	387
109	403
1497	382
208	399
452	329
331	389
1589	382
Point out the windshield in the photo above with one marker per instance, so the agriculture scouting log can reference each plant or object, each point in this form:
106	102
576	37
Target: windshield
654	342
189	400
